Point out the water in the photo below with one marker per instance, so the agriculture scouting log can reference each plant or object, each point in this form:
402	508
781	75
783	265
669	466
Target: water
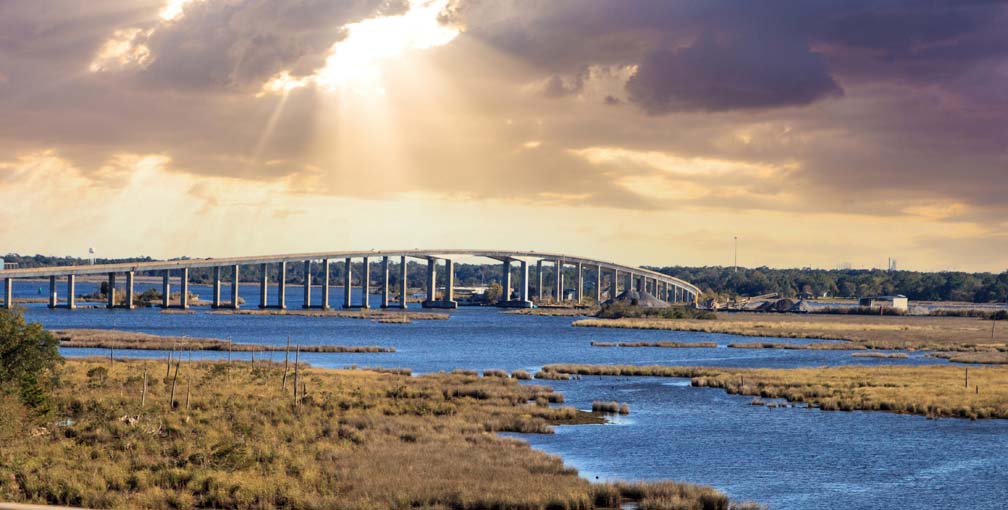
791	458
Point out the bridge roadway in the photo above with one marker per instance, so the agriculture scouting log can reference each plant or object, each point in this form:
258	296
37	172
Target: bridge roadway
607	275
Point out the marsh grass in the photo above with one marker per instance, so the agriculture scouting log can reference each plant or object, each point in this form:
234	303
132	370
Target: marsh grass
667	345
881	355
937	391
350	440
521	375
822	346
112	339
956	334
612	407
988	358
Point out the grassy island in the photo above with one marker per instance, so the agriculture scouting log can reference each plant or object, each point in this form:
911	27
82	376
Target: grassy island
938	391
140	434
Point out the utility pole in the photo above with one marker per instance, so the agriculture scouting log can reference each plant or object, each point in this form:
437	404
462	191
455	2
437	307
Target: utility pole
736	254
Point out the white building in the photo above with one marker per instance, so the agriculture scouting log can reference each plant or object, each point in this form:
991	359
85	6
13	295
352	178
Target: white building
899	302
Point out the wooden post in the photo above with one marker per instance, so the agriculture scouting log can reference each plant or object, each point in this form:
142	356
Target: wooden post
967	377
297	357
110	357
171	400
168	367
188	390
253	357
143	392
283	386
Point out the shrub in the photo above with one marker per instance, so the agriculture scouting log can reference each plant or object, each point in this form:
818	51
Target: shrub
29	356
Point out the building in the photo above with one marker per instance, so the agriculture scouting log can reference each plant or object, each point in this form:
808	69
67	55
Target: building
899	302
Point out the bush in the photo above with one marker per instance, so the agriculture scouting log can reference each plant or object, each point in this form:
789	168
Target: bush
623	310
29	356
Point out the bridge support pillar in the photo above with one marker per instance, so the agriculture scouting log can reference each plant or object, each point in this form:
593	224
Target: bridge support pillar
431	283
215	301
524	288
598	285
580	283
234	287
385	282
8	293
129	290
307	284
184	288
52	292
71	299
325	284
282	286
505	282
539	283
614	285
111	291
347	282
403	286
166	289
263	286
558	294
366	284
449	295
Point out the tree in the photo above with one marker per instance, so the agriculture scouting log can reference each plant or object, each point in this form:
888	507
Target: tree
493	293
29	356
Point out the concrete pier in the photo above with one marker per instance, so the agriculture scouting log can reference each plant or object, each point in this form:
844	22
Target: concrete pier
347	282
215	300
366	284
52	292
431	283
129	290
523	294
614	285
166	289
559	280
325	284
403	284
111	291
282	286
449	294
505	281
71	298
234	287
598	284
184	288
263	286
307	284
580	283
385	282
8	293
539	283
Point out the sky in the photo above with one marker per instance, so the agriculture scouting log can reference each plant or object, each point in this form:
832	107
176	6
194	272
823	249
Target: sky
818	133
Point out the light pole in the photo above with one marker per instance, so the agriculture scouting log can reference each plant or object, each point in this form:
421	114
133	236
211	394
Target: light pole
736	254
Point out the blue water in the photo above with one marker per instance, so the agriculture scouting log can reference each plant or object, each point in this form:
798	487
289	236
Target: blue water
791	458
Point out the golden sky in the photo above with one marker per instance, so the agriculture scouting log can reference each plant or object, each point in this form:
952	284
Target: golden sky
643	131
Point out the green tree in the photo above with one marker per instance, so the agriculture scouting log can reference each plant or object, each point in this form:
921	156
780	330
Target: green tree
29	356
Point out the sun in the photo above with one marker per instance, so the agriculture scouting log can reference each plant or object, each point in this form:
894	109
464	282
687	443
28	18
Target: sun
355	62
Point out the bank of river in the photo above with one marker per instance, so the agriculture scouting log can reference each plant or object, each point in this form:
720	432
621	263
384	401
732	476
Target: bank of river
791	458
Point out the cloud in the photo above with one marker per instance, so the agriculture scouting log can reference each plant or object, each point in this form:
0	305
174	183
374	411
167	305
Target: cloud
731	73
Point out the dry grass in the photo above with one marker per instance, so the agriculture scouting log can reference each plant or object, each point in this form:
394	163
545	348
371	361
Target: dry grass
881	355
868	331
613	407
990	358
119	340
379	315
349	440
668	345
521	375
556	311
823	346
934	391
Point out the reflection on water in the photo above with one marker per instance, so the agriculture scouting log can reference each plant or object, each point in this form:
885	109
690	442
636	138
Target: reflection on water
792	458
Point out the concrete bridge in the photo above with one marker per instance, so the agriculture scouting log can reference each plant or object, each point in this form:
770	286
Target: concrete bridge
607	275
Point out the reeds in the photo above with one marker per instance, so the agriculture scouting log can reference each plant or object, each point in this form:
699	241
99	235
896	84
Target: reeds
667	345
357	440
112	339
521	375
612	407
881	355
496	373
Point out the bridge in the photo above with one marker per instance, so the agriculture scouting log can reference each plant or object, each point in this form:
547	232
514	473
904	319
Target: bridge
607	275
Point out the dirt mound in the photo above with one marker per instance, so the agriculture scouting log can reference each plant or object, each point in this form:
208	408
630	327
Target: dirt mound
633	297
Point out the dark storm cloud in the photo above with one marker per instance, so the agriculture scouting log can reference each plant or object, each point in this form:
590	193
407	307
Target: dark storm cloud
731	73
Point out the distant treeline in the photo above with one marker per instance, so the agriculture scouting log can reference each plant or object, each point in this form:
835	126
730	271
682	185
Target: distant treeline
720	281
847	283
